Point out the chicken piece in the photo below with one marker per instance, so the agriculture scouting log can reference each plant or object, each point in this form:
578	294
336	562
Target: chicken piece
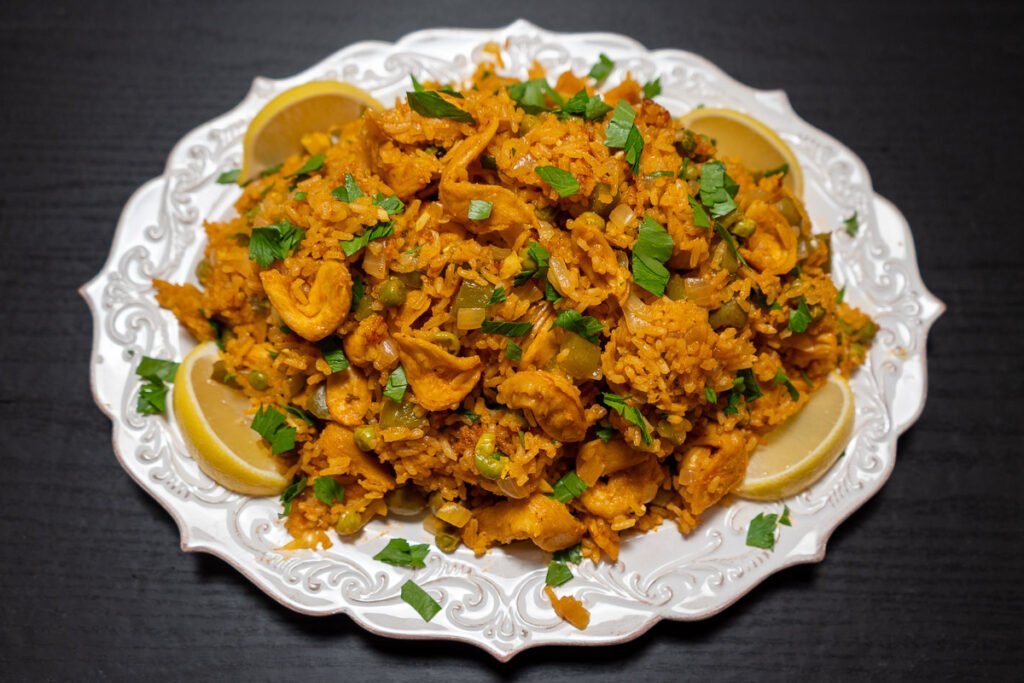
348	397
772	249
455	191
438	379
596	459
552	399
317	314
186	302
338	444
365	346
543	520
569	608
597	260
623	497
707	474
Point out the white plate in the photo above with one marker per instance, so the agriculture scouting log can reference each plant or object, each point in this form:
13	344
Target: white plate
496	602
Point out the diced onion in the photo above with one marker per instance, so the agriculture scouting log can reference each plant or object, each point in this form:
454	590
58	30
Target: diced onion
561	278
374	264
621	215
698	290
511	489
470	318
389	353
455	514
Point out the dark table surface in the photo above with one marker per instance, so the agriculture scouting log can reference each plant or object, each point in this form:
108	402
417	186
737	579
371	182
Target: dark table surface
923	582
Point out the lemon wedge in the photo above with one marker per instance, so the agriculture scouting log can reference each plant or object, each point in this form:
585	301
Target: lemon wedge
213	419
275	133
745	138
797	453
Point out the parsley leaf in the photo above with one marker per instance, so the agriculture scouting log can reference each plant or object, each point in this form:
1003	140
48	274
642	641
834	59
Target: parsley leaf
747	385
333	354
710	396
300	414
652	249
328	491
420	600
572	555
479	209
379	231
433	106
558	573
761	532
551	294
784	519
269	423
780	378
509	329
399	553
156	369
602	68
590	107
563	182
634	148
617	131
349	192
273	242
851	224
733	405
727	238
299	196
800	317
290	493
468	414
314	163
541	258
700	216
152	398
228	177
271	170
717	189
605	433
531	96
841	295
784	168
358	291
652	88
583	325
397	384
568	487
497	296
390	204
513	351
628	413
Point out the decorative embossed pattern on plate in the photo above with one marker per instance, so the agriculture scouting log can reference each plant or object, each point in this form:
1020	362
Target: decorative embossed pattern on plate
496	601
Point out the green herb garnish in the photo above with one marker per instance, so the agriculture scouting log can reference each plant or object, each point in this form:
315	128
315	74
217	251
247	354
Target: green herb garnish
508	329
784	168
727	238
590	107
605	433
290	493
851	224
583	325
717	189
379	231
652	88
558	573
299	196
328	491
568	487
433	106
390	204
541	258
314	163
497	296
468	414
269	423
479	209
700	216
563	182
273	242
333	354
784	520
399	553
800	317
397	384
781	378
228	177
531	96
761	532
710	396
300	414
602	68
420	601
653	247
628	413
349	192
513	351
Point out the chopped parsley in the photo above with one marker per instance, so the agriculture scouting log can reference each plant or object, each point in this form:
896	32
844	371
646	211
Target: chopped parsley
541	258
397	384
399	553
489	162
333	354
328	491
634	148
700	216
841	295
379	231
433	106
783	169
727	238
628	413
800	317
784	520
652	249
508	329
358	291
314	163
228	177
590	107
605	433
299	196
652	88
300	414
349	192
572	555
273	242
710	396
761	532
568	487
497	296
157	369
269	423
563	182
390	204
660	174
781	378
583	325
746	384
551	294
420	600
558	573
851	224
531	96
479	209
717	189
470	416
602	69
513	351
617	131
271	170
152	398
290	493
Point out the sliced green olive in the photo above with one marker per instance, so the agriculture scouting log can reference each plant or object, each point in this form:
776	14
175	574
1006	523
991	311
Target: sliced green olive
471	296
686	142
406	501
413	280
447	541
404	414
726	258
676	287
729	314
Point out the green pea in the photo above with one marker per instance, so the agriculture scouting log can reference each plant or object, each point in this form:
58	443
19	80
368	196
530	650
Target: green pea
203	270
406	501
316	404
365	437
364	309
676	287
392	292
257	380
729	314
220	374
447	341
349	523
744	228
405	414
447	541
